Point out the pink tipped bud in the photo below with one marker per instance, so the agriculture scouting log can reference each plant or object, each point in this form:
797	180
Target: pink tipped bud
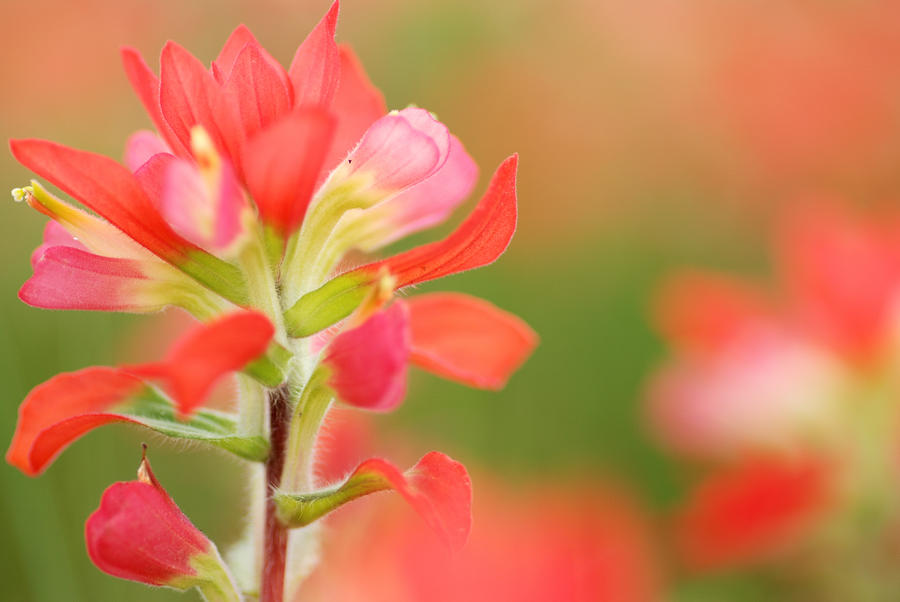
139	533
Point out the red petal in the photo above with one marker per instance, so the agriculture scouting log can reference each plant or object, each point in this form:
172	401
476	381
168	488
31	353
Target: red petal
258	90
752	510
237	41
146	85
107	188
62	409
55	236
369	362
189	95
67	277
420	206
141	146
467	339
152	176
357	105
477	242
239	38
281	165
316	68
209	352
437	487
139	533
705	311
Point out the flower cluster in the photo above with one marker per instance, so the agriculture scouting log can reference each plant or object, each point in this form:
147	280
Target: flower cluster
250	207
790	394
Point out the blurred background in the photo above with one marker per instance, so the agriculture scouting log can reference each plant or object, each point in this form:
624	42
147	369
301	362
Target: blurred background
652	135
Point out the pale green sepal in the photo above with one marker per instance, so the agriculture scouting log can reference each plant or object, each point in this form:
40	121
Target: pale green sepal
211	578
300	509
327	305
303	431
216	583
217	275
207	426
270	369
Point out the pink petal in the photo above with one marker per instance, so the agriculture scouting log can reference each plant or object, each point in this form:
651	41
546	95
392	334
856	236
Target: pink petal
281	164
139	533
66	277
369	362
142	145
467	339
152	177
421	206
399	150
211	219
316	68
55	236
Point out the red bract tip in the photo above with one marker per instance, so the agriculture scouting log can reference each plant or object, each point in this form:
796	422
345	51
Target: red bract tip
467	339
207	353
477	242
316	68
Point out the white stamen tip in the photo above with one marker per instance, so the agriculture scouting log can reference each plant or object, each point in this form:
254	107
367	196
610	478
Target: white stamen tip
20	194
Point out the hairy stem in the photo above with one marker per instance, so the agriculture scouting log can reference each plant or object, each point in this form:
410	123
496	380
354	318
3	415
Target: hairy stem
275	536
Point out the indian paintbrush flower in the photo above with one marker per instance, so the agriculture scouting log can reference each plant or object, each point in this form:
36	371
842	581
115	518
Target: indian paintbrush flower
242	208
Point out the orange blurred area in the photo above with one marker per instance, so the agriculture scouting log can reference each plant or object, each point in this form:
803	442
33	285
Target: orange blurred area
613	105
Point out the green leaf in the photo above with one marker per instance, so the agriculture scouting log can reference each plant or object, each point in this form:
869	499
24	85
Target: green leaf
153	411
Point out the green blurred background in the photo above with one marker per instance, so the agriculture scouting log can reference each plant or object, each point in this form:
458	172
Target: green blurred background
651	136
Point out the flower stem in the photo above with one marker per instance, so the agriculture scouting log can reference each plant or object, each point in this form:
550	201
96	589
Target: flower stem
275	536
